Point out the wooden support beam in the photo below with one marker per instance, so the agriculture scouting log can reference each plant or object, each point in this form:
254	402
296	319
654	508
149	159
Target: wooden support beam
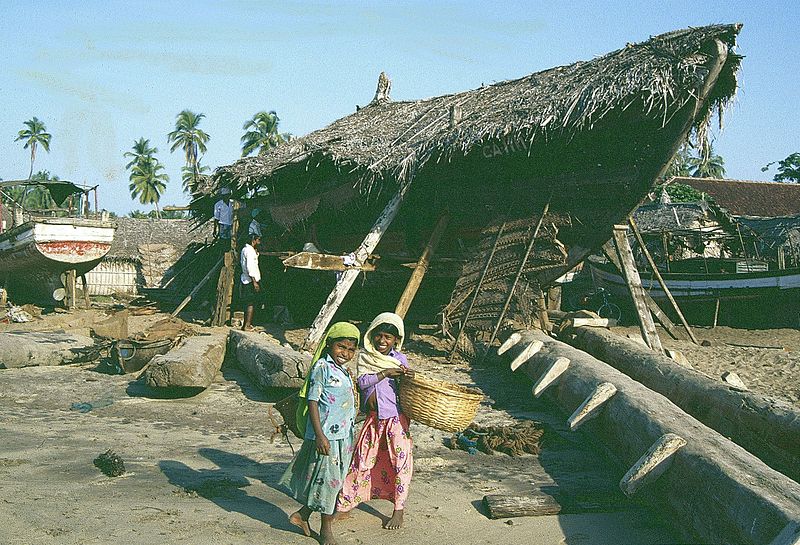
592	405
421	268
530	349
663	319
322	262
227	278
70	289
509	342
625	254
86	302
652	464
551	374
348	278
661	282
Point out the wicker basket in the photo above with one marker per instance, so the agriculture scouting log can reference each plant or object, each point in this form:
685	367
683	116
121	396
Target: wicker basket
438	404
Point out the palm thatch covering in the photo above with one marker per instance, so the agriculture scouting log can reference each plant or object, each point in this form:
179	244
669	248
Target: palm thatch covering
589	138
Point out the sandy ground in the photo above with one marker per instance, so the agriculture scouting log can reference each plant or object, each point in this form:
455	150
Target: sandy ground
767	360
203	470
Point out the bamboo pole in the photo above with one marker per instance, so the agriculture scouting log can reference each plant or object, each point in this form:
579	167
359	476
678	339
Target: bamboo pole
658	276
477	291
521	268
421	268
348	278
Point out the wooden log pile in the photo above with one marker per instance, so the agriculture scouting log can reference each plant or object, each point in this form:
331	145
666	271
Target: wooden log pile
721	492
766	427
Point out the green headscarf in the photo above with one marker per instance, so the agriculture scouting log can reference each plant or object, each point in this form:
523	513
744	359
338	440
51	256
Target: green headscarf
338	330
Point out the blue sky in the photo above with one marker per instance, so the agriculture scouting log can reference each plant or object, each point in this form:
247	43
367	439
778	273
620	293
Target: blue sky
101	74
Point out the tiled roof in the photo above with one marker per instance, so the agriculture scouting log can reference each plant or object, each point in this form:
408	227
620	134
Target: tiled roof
748	198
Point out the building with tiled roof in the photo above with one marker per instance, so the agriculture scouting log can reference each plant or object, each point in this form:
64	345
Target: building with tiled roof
748	198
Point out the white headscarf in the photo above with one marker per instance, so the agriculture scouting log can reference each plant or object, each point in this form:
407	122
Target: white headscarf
370	361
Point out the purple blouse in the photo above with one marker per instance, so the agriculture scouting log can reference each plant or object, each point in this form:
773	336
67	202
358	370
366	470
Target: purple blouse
385	390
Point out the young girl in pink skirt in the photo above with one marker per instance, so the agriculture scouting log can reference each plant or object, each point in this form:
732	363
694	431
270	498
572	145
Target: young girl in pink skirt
382	461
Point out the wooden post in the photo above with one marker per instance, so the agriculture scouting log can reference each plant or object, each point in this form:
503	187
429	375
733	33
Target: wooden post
521	268
421	268
657	274
226	277
347	279
625	254
69	289
477	290
669	325
716	313
85	284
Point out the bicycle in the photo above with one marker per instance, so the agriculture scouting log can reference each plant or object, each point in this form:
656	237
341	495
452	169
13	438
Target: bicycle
601	299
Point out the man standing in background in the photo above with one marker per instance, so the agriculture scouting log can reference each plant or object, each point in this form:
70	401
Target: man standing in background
251	279
223	215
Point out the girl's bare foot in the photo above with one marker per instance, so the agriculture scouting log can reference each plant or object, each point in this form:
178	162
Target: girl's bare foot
297	519
326	531
396	521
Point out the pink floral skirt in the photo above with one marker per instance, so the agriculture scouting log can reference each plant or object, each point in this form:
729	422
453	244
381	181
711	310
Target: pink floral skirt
382	464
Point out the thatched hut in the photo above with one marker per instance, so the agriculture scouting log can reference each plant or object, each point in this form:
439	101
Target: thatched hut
584	142
144	254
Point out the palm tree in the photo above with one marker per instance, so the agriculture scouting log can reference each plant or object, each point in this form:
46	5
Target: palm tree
35	135
191	176
707	164
262	133
141	152
147	183
191	139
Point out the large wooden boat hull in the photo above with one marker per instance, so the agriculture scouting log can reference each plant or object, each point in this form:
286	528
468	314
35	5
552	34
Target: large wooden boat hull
34	255
702	287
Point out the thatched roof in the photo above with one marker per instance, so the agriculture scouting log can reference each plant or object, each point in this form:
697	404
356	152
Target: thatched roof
748	198
390	142
132	233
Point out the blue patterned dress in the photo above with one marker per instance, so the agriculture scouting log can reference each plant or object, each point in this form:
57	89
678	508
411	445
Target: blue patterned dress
315	480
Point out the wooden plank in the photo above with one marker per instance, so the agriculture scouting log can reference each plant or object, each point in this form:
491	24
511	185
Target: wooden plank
541	503
657	274
625	254
422	267
663	319
322	262
348	278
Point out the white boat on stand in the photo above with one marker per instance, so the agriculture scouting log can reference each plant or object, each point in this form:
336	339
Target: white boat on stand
35	255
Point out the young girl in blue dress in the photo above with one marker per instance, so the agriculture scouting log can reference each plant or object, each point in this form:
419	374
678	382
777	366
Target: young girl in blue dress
326	416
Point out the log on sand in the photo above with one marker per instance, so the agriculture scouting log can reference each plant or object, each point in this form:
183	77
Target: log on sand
33	348
270	364
768	428
193	364
720	492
